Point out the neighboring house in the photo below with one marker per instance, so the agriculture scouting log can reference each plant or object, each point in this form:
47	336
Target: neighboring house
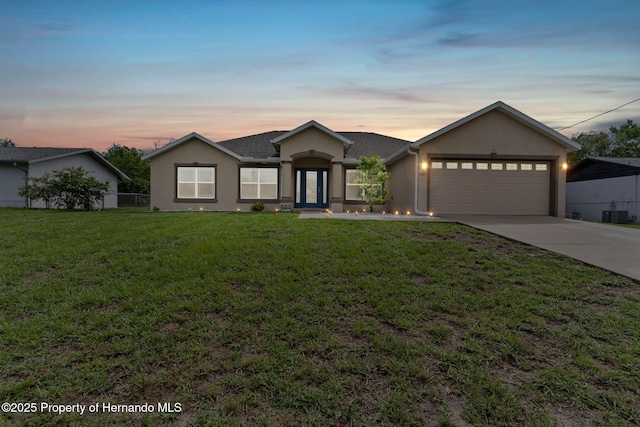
604	189
17	164
495	161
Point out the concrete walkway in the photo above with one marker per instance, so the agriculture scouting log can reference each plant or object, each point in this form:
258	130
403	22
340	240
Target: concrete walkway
369	216
611	247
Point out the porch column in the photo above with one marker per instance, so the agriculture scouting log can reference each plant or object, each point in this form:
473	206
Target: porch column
286	182
337	187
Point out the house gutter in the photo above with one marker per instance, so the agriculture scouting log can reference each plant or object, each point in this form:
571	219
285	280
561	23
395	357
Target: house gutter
415	195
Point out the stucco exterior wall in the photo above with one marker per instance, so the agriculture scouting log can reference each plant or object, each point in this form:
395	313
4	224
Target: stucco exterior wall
89	164
494	132
194	152
590	198
313	148
401	186
314	142
496	135
12	180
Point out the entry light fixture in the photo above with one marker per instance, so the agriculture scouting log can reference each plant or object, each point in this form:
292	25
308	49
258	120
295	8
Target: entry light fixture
424	165
565	166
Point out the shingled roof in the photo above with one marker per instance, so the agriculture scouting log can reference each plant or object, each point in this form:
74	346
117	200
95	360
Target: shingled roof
604	167
30	154
366	144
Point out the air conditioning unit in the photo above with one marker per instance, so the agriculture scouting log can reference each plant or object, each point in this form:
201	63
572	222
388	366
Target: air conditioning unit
615	217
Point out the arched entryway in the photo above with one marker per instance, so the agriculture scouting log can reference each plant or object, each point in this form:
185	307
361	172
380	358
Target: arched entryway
311	182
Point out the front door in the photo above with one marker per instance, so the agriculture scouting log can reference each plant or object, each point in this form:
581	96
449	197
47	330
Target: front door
312	188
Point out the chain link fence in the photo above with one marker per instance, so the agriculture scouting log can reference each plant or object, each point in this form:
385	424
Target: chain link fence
133	200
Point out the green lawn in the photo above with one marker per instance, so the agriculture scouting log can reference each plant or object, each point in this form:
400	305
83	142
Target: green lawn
265	319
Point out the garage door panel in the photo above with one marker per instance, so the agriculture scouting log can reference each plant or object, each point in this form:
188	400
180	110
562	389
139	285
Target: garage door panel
490	192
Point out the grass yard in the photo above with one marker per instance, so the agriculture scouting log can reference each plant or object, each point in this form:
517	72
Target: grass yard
264	319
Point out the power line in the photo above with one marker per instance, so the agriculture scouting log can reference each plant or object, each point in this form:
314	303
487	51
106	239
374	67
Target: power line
598	115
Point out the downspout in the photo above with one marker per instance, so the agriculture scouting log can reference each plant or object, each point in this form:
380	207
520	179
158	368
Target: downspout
27	201
635	195
415	193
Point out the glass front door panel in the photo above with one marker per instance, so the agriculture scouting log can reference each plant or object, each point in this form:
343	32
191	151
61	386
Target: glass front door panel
312	187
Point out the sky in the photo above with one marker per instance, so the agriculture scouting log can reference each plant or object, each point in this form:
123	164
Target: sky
140	73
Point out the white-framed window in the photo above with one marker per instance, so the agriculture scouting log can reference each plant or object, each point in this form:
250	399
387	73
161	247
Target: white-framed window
352	189
481	166
496	166
466	165
512	166
258	183
541	167
436	165
196	182
452	165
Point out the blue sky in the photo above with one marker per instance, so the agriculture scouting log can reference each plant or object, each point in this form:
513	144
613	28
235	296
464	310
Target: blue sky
86	73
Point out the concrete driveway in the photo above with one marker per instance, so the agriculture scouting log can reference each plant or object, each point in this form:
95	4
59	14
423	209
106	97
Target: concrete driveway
607	246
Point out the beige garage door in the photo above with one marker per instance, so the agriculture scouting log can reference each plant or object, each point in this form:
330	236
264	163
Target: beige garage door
489	187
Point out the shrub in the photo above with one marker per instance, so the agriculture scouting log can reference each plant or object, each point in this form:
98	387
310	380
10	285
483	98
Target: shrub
257	207
68	188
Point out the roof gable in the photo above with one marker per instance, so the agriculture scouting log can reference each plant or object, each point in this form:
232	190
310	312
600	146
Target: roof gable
192	135
345	141
569	144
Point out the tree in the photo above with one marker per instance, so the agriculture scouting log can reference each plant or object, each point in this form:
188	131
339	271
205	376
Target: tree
69	188
129	161
623	141
373	174
5	142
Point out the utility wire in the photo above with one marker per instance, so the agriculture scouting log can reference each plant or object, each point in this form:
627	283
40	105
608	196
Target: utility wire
598	115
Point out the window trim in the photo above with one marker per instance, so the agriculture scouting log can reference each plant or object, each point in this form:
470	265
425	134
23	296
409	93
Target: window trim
347	185
213	199
346	199
254	199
